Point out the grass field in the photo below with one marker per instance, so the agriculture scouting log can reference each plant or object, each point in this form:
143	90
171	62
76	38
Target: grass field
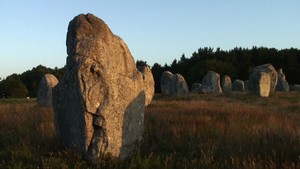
198	131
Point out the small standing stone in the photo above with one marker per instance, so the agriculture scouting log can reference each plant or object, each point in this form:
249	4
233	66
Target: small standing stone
44	93
226	84
166	83
196	88
179	86
263	85
211	83
266	68
238	85
282	84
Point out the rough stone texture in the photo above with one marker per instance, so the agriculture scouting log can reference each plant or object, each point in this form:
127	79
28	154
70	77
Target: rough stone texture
166	83
226	84
196	88
211	83
238	85
282	84
148	83
263	84
99	104
44	93
267	68
296	87
179	86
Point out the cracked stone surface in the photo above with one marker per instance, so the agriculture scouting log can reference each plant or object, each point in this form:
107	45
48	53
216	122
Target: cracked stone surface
99	104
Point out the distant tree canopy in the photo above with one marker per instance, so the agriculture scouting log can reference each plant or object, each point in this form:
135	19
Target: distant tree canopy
13	87
27	83
237	63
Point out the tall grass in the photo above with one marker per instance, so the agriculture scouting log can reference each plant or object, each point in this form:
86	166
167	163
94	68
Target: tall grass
198	131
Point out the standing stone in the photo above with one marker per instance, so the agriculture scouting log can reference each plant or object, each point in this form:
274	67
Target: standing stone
263	84
282	84
166	83
99	104
226	84
148	83
44	93
179	86
211	83
238	85
266	68
196	88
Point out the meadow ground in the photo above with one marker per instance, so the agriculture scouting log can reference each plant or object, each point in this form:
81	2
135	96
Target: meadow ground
198	131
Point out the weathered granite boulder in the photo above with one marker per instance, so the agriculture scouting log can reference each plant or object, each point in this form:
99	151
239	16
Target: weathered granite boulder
166	83
196	88
282	84
211	83
148	83
179	86
266	68
226	84
99	104
44	93
238	85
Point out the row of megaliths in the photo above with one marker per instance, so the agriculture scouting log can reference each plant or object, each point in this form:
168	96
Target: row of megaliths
263	80
100	102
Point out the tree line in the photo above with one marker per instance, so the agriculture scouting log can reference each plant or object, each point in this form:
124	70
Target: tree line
27	83
237	63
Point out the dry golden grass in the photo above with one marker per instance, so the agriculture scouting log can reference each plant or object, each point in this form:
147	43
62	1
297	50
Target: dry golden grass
198	131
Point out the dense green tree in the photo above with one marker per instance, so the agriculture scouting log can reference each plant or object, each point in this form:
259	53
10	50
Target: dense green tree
13	87
237	63
31	78
139	63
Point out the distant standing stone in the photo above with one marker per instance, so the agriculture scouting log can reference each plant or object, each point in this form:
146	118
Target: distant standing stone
282	84
196	88
211	83
266	68
226	84
166	83
148	83
263	84
238	85
179	86
44	93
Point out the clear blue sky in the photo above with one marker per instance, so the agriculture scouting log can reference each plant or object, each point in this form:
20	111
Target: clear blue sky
33	32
